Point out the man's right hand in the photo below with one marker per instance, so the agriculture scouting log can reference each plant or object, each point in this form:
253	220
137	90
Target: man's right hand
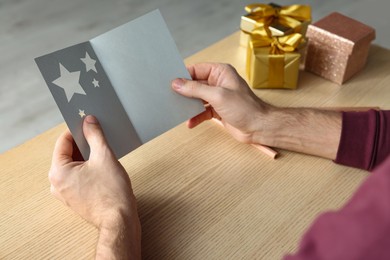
227	97
250	120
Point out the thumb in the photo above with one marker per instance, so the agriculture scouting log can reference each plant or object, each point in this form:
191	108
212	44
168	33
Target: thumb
194	89
94	134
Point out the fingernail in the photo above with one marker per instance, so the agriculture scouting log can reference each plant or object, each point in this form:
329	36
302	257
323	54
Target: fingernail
91	119
177	84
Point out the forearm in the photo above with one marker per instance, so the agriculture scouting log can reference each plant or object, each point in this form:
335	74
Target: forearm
120	239
305	130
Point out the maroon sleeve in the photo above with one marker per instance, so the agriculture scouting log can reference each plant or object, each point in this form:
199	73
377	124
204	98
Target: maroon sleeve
365	139
360	230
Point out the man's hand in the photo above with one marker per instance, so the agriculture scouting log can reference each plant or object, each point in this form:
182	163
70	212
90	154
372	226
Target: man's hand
250	120
99	190
227	97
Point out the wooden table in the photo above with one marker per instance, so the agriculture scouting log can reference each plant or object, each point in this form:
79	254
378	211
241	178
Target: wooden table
201	194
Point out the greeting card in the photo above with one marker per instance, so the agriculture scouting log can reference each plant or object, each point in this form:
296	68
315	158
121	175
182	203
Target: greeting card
123	77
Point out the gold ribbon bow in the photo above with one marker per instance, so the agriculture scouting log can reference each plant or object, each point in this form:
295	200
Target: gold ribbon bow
278	47
291	16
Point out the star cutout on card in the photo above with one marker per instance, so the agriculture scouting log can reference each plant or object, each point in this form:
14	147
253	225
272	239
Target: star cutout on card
89	63
82	113
95	83
69	81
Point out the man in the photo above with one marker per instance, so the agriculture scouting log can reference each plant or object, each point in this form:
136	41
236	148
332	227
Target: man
99	189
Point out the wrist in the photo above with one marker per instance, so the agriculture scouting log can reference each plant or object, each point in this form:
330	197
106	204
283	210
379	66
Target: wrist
114	220
265	125
120	236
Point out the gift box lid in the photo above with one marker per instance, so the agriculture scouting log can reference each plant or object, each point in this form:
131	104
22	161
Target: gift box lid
348	33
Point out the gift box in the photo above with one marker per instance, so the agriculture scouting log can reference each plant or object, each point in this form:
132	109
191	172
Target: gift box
273	62
338	47
277	20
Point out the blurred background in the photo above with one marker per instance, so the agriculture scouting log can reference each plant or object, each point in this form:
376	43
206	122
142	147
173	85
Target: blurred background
30	28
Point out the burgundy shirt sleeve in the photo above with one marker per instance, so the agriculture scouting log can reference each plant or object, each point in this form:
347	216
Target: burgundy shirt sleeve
365	139
360	230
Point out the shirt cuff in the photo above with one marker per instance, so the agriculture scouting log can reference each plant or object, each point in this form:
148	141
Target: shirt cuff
357	141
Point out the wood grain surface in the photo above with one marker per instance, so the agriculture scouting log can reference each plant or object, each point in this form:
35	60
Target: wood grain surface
201	194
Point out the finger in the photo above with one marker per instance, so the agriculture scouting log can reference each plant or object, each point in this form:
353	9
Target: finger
93	133
211	72
200	71
194	89
200	118
63	149
203	81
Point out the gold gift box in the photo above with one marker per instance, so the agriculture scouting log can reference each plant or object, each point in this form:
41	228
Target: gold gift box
338	47
262	71
273	23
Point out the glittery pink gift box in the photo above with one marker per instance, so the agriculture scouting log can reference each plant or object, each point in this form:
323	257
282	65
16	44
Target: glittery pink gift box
338	47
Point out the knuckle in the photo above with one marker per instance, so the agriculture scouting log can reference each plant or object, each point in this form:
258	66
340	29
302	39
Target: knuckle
228	67
53	190
193	88
51	175
190	88
55	176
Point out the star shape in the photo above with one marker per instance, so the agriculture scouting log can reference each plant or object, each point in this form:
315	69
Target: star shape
95	83
89	63
82	113
69	81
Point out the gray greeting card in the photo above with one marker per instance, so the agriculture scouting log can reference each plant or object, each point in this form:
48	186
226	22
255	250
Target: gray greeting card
123	78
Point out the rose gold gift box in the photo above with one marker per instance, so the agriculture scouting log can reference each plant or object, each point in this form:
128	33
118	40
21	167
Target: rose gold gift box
338	47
